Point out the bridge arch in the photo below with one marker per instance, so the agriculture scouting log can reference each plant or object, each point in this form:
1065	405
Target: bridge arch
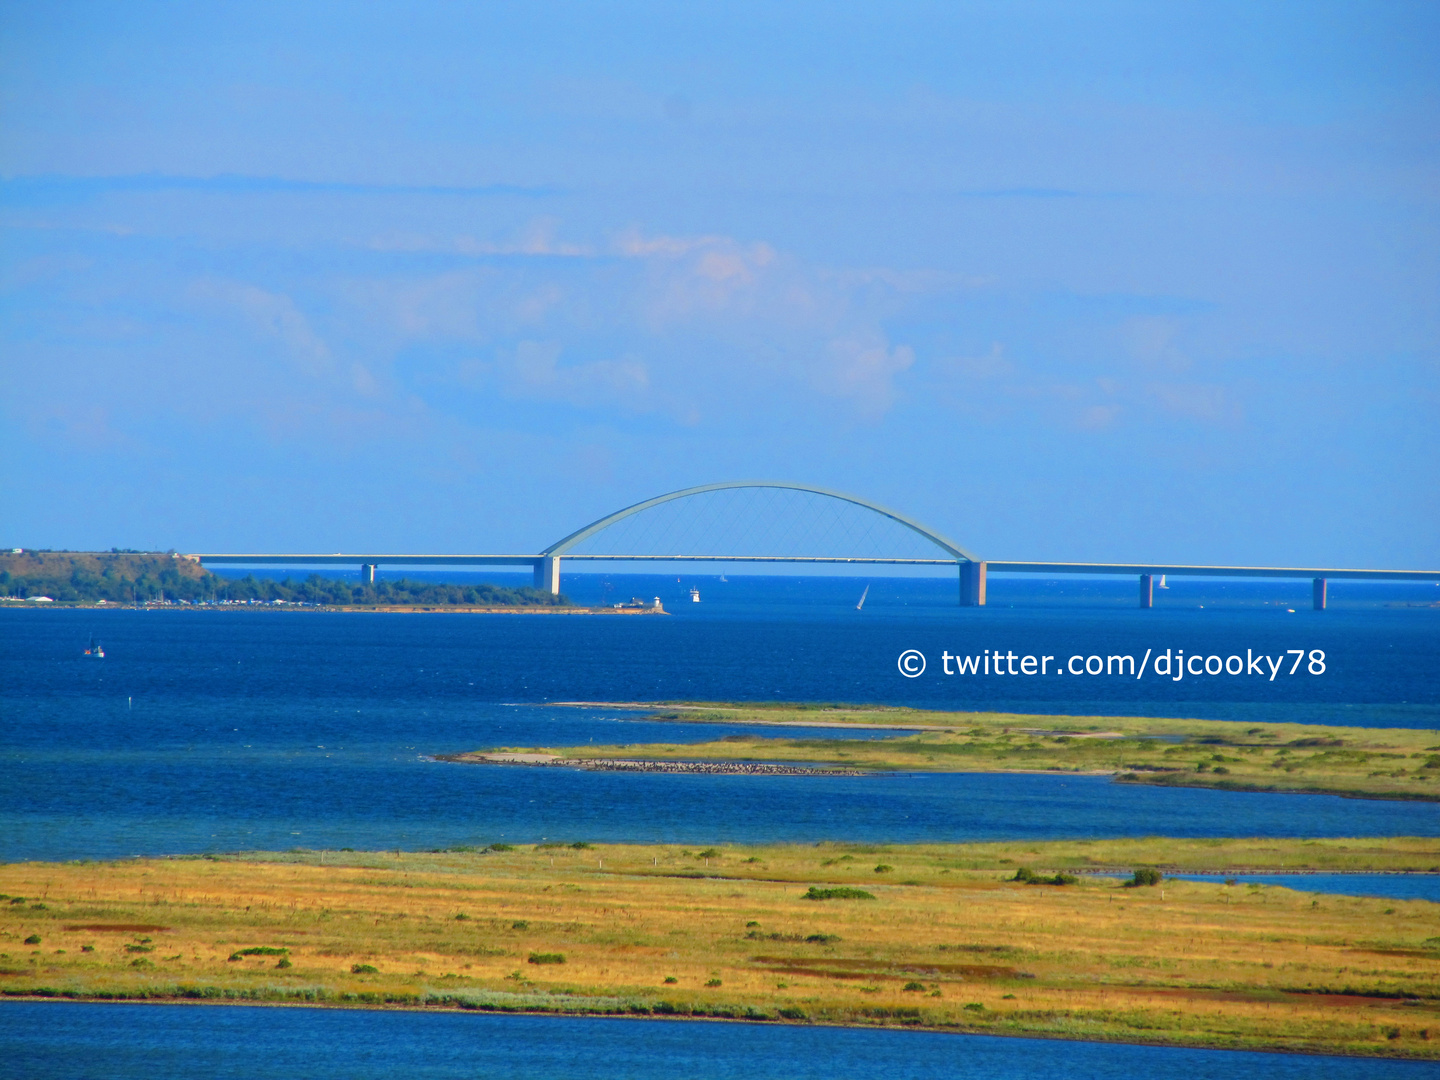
547	567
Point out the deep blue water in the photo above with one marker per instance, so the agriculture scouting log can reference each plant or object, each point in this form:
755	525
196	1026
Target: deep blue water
225	730
69	1041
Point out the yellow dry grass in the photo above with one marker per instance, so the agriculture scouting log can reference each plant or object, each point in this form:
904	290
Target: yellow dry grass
942	945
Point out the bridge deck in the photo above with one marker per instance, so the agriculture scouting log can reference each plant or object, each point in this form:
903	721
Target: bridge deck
995	567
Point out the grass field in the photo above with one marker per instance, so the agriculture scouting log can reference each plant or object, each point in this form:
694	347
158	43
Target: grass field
945	942
1381	763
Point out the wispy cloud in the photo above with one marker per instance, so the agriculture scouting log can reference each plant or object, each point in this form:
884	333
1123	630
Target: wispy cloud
18	189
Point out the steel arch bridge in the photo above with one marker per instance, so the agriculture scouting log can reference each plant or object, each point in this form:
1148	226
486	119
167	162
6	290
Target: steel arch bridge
972	569
547	567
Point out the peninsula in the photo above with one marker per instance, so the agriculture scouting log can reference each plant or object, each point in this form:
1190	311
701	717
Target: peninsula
1368	763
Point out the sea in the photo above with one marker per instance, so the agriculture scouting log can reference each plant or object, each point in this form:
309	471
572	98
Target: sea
265	728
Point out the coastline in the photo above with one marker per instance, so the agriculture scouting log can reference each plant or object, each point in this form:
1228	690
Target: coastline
350	609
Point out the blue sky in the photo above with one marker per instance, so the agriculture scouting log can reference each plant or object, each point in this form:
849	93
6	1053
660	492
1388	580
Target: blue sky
1098	282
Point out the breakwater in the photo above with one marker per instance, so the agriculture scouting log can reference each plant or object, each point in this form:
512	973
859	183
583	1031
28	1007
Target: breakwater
712	768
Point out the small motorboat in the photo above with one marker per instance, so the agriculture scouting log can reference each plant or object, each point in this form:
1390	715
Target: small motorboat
694	596
95	650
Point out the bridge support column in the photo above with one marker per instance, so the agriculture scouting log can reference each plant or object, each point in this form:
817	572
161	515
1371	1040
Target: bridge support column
1147	591
1318	592
367	573
972	584
547	574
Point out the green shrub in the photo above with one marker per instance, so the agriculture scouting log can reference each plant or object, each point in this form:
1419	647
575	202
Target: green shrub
793	1014
913	986
364	969
255	950
714	982
1145	875
581	845
841	892
33	939
671	979
708	853
501	847
461	917
1029	877
546	958
519	924
884	868
974	1006
145	948
822	939
284	962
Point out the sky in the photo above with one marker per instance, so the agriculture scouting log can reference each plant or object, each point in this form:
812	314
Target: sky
1099	282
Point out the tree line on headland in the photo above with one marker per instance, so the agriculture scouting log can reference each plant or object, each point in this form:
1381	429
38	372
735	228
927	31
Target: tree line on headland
130	577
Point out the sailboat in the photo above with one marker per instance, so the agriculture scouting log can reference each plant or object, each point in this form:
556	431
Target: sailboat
864	594
95	650
1162	584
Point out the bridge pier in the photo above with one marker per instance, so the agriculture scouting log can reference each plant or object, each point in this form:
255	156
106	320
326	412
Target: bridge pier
367	573
1147	591
972	584
1318	591
547	574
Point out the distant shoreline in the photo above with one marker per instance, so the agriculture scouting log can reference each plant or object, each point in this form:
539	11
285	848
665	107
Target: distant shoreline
379	609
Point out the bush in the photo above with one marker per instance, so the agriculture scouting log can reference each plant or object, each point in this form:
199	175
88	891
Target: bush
581	845
913	986
713	982
257	950
671	979
284	962
364	969
974	1006
501	847
1029	877
884	868
708	853
519	924
33	939
842	892
547	958
1146	875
